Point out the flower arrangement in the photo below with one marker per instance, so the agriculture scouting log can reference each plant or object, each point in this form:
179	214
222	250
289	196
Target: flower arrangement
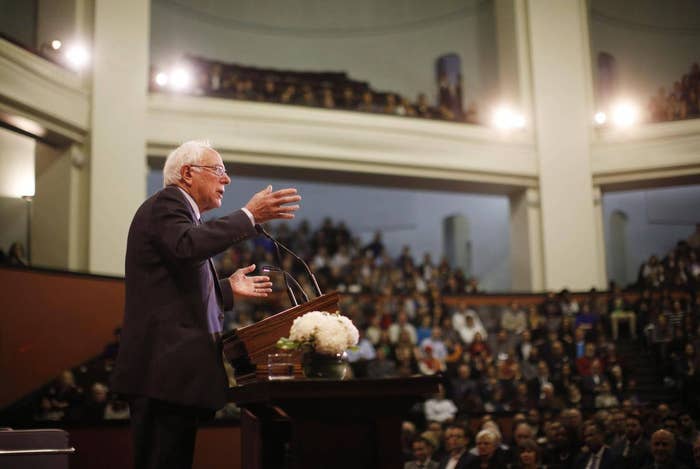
321	332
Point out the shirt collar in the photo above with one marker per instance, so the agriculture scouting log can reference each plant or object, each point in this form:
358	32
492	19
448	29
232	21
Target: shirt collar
191	201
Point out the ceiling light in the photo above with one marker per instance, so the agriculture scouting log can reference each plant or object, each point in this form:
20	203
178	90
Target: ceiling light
625	114
600	118
162	79
77	56
180	79
506	119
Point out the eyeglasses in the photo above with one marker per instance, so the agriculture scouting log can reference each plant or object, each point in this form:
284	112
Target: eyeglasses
216	169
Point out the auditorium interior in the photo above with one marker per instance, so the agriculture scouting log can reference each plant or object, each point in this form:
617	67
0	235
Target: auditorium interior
505	194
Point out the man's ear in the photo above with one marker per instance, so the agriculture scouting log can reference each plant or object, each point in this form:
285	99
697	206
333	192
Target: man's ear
186	175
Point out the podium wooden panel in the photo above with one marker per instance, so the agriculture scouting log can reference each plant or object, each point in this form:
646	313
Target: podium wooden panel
247	348
326	423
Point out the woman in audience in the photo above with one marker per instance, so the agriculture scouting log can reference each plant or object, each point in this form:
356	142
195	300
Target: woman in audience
528	455
471	328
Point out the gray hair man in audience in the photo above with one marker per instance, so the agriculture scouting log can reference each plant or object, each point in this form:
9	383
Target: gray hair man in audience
663	446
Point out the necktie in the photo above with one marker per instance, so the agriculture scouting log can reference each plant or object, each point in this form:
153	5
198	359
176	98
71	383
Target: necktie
214	313
594	462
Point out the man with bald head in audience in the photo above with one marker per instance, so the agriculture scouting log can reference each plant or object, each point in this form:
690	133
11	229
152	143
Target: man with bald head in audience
663	446
169	363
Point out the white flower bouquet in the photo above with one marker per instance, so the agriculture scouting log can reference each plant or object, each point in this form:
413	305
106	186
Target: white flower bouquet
322	332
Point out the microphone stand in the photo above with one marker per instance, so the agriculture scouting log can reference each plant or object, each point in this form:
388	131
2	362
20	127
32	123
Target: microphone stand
311	275
289	277
278	256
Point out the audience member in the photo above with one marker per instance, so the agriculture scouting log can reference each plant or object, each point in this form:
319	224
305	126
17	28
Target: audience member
663	445
488	454
456	444
422	452
439	408
599	456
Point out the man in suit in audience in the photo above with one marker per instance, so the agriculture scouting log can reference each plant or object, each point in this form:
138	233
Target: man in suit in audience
169	363
599	456
634	450
422	453
456	442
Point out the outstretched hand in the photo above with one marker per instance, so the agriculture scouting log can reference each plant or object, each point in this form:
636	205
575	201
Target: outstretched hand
256	286
267	205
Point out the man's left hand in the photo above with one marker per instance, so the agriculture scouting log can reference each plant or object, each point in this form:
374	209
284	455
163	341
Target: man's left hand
256	286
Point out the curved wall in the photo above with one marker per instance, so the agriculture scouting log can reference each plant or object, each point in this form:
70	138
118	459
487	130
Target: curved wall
391	44
654	43
656	220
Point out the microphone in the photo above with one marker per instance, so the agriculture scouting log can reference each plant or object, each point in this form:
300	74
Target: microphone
292	297
311	275
290	278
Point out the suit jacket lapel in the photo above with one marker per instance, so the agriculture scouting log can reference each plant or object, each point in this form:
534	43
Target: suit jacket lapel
212	269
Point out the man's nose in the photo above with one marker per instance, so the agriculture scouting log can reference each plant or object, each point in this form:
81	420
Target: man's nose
226	179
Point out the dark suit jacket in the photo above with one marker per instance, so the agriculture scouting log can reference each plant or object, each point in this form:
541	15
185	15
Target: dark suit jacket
166	350
463	462
414	465
638	455
499	460
607	461
674	464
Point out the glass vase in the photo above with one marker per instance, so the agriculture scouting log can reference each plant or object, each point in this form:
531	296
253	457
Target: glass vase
320	366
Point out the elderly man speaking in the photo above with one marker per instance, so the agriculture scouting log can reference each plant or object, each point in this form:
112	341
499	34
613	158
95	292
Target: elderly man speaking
169	363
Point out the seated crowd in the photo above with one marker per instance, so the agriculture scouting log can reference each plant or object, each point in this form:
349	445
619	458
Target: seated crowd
330	90
682	102
621	438
541	356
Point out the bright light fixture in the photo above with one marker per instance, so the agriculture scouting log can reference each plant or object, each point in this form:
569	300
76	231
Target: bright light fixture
162	79
56	44
506	119
180	79
77	56
625	114
600	118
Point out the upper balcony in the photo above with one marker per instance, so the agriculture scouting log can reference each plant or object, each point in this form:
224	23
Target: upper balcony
48	101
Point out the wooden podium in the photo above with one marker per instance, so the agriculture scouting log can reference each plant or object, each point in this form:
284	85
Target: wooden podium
316	423
247	348
326	424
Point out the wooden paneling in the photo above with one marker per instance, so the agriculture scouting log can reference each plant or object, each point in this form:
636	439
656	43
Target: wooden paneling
51	321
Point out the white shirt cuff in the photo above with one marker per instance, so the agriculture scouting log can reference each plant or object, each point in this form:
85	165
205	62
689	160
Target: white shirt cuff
250	215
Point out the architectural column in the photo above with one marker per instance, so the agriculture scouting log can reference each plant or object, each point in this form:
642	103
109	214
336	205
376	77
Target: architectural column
59	221
561	78
526	241
118	138
514	76
600	236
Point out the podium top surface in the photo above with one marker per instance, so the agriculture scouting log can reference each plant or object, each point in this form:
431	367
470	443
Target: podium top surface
303	389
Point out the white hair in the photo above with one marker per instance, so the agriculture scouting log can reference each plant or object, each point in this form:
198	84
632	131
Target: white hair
188	153
493	436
